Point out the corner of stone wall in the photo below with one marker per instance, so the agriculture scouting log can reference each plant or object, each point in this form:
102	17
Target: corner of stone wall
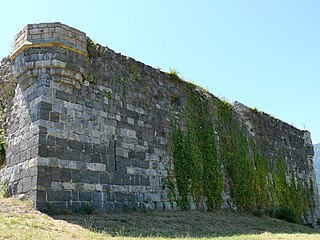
37	62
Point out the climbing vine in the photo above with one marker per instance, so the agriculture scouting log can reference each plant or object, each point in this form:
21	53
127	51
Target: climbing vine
93	49
2	131
293	196
263	196
258	183
235	156
197	166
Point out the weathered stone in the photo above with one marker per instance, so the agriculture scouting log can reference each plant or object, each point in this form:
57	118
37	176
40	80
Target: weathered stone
98	133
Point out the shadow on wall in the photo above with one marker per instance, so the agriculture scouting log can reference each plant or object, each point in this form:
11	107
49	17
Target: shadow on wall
171	224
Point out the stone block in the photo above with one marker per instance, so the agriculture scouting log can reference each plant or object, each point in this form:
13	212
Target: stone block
53	195
75	176
65	175
104	178
55	174
42	151
108	207
85	176
44	183
76	145
121	152
94	177
64	195
56	185
85	196
54	117
41	196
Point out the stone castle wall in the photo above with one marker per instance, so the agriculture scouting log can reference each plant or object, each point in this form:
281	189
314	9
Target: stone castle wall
88	127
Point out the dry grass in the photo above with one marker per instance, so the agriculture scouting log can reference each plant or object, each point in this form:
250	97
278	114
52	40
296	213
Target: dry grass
19	221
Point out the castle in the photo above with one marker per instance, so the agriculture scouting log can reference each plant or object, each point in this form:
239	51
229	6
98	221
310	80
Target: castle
85	127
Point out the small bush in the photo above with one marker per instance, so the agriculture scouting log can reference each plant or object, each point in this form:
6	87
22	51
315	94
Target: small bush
91	79
5	189
287	214
174	75
259	212
109	93
255	110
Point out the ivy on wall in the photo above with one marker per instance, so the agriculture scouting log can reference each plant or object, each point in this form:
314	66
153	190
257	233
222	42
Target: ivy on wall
235	156
294	195
257	182
197	166
2	131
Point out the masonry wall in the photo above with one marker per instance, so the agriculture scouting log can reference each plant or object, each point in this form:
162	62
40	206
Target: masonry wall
276	138
90	128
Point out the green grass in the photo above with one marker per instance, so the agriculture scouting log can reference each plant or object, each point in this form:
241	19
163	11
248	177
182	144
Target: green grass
19	221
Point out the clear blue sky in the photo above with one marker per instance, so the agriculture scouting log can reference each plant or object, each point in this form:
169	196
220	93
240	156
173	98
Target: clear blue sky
263	53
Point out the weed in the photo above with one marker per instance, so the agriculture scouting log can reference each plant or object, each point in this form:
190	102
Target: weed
5	189
88	221
255	110
124	82
136	73
93	49
121	232
91	79
109	93
174	75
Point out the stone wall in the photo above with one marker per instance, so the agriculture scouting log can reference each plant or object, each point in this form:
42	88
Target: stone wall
274	136
90	128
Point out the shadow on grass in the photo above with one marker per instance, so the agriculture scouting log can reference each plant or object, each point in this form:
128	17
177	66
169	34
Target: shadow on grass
180	224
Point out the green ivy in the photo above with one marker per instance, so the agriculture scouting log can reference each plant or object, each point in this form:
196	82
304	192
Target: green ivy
261	179
235	156
136	73
182	167
2	131
294	195
171	186
124	81
197	166
109	93
257	182
91	79
93	49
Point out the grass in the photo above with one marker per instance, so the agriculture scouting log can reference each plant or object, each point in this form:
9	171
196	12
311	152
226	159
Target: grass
19	221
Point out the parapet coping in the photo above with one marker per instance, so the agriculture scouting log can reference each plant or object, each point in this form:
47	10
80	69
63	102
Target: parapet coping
50	42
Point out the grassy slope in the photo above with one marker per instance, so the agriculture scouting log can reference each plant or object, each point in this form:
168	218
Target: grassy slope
19	221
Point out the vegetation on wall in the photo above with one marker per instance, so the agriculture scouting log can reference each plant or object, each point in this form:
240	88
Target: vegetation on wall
174	75
109	93
294	197
197	166
257	183
2	131
235	156
91	79
93	49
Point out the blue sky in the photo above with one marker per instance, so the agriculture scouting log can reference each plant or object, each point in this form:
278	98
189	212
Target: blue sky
263	53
